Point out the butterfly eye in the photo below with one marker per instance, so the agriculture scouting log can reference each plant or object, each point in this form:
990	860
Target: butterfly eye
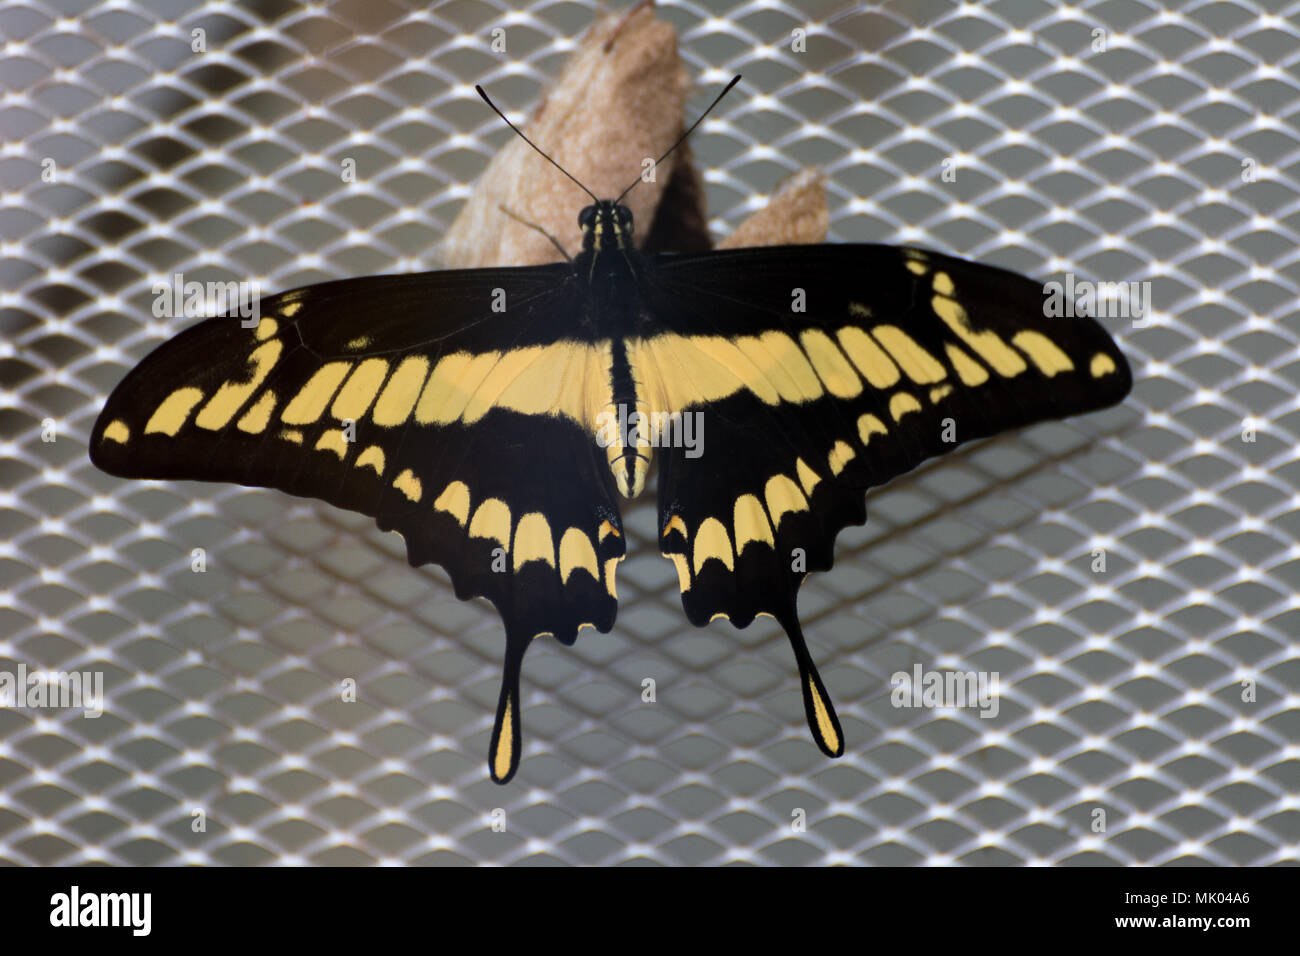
624	216
587	217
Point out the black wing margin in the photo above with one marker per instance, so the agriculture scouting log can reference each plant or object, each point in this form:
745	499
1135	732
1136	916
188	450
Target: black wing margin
496	485
898	355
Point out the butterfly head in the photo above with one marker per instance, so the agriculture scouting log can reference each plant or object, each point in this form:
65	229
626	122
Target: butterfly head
605	225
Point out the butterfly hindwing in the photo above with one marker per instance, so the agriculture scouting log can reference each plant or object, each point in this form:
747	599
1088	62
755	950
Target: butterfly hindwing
819	372
409	399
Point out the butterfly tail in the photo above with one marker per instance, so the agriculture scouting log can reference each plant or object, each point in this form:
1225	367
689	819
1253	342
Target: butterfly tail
507	733
820	712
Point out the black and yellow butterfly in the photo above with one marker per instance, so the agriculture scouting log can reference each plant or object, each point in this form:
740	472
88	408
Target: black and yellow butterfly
487	437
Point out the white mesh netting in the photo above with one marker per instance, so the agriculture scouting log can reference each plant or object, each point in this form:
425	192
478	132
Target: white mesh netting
1121	690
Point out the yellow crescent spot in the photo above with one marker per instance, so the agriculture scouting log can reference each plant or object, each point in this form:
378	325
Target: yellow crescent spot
1102	364
750	522
491	520
841	454
117	431
408	485
577	553
607	528
533	540
940	393
783	496
455	501
611	567
332	440
902	403
807	477
675	523
869	425
372	456
713	542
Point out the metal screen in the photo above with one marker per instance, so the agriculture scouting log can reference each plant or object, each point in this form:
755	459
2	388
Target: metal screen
1119	141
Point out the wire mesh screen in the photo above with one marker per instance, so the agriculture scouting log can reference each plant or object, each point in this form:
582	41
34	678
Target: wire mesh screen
1130	576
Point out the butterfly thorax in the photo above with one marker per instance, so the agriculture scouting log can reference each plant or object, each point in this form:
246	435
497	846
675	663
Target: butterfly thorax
609	264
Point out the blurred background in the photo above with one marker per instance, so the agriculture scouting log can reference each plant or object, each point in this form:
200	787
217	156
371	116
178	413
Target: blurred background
1170	154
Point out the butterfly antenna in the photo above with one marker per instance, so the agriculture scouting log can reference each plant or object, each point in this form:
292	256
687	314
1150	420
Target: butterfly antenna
725	90
535	146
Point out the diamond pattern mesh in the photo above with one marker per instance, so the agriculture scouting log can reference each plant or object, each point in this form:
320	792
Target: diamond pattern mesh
1121	691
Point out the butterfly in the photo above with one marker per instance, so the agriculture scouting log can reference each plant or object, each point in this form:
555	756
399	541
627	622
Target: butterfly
498	417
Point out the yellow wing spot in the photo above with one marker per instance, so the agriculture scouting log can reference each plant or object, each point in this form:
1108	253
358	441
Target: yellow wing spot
611	570
533	540
969	371
921	367
360	342
174	410
712	541
876	367
359	390
577	553
397	400
822	713
916	268
901	403
986	344
265	329
505	742
374	457
255	420
943	284
607	528
807	477
830	364
231	396
678	371
869	425
491	520
683	571
290	309
332	440
676	523
841	454
939	393
454	380
1043	352
309	403
859	311
782	363
783	496
117	431
291	434
408	484
1102	364
750	522
455	501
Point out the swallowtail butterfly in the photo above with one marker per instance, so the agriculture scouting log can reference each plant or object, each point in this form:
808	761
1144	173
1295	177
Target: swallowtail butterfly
507	438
